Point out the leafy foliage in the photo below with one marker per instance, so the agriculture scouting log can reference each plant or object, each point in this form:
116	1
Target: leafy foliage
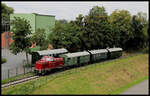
122	19
140	31
21	35
6	11
39	37
97	30
63	35
3	60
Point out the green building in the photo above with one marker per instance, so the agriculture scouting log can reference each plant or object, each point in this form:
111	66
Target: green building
46	22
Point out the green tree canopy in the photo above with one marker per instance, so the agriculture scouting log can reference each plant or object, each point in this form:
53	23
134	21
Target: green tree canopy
39	37
6	11
140	31
64	36
97	30
21	35
122	19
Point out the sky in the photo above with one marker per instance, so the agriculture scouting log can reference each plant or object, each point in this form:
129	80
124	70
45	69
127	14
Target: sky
70	10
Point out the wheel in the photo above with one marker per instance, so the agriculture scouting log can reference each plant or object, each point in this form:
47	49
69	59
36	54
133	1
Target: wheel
43	73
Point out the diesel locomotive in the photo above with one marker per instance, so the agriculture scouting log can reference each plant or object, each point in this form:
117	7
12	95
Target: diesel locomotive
49	62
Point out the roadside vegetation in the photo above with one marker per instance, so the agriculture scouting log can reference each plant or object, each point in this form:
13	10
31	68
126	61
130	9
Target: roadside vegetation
110	77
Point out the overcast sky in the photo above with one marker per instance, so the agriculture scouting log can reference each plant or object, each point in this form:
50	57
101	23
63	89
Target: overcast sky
70	10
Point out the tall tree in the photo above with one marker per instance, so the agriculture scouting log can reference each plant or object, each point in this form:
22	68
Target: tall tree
39	37
21	35
64	35
122	19
97	30
62	21
140	31
6	11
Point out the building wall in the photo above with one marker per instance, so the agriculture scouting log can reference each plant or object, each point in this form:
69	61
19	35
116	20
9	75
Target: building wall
45	22
29	17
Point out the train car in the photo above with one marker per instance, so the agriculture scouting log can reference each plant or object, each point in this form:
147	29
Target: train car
97	55
76	58
47	63
114	53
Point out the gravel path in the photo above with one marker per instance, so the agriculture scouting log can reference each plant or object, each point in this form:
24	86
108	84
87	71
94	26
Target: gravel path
141	88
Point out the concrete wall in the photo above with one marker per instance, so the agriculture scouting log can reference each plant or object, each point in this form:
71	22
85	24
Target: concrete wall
46	22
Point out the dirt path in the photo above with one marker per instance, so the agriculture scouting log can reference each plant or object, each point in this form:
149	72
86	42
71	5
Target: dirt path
141	88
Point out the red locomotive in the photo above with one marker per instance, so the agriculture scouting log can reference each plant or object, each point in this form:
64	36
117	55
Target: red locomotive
46	63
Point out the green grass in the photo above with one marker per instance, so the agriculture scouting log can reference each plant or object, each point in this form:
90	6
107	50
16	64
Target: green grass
16	77
110	77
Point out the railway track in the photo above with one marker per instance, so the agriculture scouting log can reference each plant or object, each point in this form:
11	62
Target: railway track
19	81
53	73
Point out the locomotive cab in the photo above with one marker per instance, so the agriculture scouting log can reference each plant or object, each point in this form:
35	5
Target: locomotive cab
46	63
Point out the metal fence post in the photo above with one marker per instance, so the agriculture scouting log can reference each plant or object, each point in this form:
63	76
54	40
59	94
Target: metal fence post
16	71
24	70
31	67
8	73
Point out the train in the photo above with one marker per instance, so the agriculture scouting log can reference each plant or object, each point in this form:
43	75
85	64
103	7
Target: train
48	62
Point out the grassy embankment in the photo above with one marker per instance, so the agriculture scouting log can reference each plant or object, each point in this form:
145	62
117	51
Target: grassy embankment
112	77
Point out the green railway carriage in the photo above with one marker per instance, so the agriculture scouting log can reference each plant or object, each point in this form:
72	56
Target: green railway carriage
114	52
97	55
76	58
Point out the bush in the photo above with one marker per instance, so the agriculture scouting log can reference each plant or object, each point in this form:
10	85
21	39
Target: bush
3	60
145	50
27	65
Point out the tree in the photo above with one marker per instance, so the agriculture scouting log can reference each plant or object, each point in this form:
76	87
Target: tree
39	37
64	35
140	31
79	32
21	35
97	30
6	11
121	19
62	21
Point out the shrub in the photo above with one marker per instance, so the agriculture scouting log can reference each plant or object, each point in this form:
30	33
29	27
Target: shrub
27	65
3	60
